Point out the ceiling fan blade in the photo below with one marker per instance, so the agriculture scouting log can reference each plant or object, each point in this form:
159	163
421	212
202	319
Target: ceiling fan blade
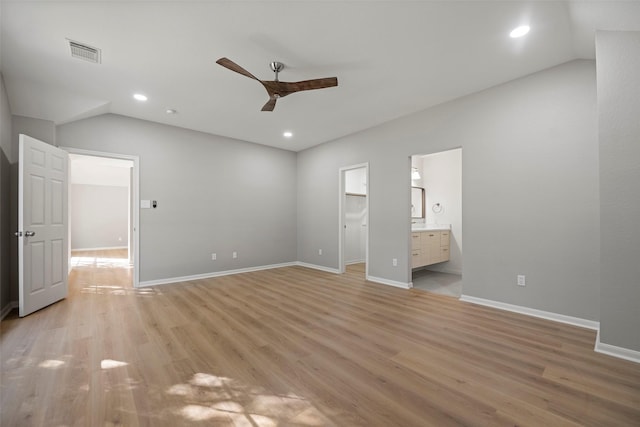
270	105
277	89
312	84
286	88
227	63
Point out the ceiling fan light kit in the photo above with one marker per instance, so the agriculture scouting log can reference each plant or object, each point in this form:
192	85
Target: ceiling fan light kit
275	88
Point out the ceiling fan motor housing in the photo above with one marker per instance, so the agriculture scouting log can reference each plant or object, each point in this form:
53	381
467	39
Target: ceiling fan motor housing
276	67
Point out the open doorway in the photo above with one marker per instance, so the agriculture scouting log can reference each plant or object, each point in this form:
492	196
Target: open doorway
103	217
436	222
354	220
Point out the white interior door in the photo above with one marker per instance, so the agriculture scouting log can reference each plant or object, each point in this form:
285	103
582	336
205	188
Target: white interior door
42	224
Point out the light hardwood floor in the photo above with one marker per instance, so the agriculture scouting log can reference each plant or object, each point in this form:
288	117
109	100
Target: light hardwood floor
99	267
299	347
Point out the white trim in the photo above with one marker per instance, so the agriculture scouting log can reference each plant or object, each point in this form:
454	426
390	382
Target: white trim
570	320
358	261
213	274
135	197
615	351
600	347
394	283
317	267
106	248
7	309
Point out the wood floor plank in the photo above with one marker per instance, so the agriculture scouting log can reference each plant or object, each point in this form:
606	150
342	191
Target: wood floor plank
297	347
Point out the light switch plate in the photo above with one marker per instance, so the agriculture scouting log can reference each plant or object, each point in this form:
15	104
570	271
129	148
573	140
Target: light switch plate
145	204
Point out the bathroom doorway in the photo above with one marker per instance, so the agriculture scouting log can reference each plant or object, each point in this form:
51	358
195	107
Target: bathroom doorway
103	215
436	222
354	219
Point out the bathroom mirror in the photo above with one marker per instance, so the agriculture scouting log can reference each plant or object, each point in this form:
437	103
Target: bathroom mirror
417	202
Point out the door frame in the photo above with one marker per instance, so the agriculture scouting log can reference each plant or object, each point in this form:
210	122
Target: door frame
135	202
462	209
342	200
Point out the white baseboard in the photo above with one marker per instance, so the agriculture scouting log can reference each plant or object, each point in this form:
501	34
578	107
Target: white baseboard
358	261
397	284
212	274
317	267
615	351
7	309
105	248
237	271
575	321
369	278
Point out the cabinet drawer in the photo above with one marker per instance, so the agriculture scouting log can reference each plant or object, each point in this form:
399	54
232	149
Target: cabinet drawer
431	242
416	258
444	254
444	238
415	240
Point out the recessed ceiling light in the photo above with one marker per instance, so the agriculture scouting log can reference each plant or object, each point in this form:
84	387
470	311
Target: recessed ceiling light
140	97
519	31
171	111
287	134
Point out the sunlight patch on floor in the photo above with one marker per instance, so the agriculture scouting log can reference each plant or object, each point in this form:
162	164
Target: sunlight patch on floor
119	290
222	400
89	261
51	364
110	364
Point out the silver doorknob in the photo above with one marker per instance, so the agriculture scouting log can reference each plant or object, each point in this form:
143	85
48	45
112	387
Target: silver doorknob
29	233
18	234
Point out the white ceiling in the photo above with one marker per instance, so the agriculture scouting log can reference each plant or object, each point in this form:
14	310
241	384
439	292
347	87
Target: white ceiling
392	58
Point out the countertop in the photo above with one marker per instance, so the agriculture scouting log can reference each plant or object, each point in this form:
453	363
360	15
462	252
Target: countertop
430	227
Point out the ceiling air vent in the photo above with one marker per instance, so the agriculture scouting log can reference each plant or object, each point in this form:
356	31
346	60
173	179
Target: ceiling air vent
83	51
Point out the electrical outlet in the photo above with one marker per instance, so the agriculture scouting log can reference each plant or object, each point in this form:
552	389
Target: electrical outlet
234	255
521	281
395	262
213	257
319	251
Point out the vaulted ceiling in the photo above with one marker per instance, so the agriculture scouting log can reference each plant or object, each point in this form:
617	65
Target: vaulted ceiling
392	58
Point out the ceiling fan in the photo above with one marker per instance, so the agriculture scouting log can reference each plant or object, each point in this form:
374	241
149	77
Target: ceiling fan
275	88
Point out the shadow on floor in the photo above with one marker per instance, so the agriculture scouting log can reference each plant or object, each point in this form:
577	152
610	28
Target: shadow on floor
438	283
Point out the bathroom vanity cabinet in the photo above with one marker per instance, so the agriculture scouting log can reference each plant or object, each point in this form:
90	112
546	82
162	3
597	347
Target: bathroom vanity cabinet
429	247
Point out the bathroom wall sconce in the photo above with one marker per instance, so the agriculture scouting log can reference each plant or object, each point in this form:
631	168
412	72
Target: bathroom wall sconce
415	174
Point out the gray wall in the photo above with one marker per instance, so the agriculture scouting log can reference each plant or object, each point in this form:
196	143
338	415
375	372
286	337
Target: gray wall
99	216
618	56
44	130
214	194
5	199
530	190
